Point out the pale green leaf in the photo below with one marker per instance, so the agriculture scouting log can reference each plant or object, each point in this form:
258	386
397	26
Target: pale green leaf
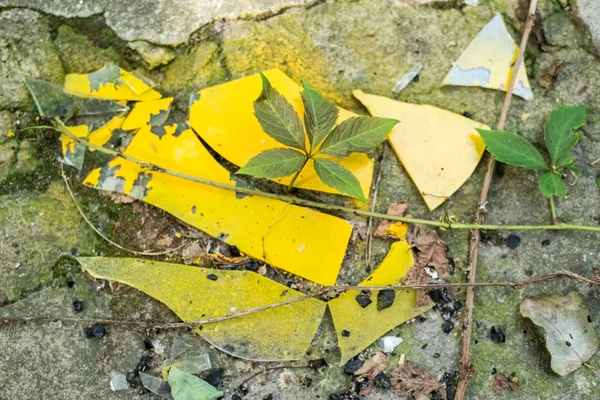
320	115
569	332
552	184
186	386
274	163
565	161
357	135
278	118
512	149
558	130
338	177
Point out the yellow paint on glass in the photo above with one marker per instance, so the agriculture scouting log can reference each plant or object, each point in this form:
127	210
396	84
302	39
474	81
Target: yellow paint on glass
439	149
282	333
398	230
368	324
68	144
148	113
110	82
102	135
223	116
299	240
488	62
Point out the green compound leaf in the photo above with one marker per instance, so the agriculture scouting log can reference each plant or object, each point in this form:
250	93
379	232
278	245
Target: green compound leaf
512	149
186	386
338	177
559	130
357	135
320	115
274	163
278	118
552	184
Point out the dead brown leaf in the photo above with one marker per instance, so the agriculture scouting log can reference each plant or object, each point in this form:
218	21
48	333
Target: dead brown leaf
370	369
396	210
502	382
431	255
409	378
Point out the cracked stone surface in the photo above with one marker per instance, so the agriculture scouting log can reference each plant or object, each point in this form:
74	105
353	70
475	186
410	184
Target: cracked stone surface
337	46
588	12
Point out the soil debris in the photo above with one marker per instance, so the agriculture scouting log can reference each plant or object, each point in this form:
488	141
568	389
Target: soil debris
501	382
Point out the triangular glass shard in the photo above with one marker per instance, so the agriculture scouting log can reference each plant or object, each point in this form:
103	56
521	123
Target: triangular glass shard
179	347
438	148
158	386
489	61
52	101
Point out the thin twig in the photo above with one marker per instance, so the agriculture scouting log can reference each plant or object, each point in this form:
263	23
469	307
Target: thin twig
443	224
86	219
324	289
266	369
373	203
466	367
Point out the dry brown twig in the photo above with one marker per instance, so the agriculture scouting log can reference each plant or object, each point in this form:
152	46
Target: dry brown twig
466	367
373	203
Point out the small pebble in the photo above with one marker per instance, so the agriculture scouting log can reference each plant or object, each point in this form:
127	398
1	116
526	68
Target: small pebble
498	334
383	381
148	345
494	371
513	241
214	376
352	366
546	242
363	299
458	305
447	326
385	299
467	114
97	331
436	355
212	277
447	312
345	333
70	284
78	306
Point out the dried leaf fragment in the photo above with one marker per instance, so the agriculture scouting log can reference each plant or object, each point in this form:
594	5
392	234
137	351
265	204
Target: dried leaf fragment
409	378
377	363
502	382
570	335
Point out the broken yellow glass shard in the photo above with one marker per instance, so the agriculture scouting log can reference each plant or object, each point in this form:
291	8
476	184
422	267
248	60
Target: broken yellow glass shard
196	293
489	61
296	239
223	116
439	149
357	320
144	113
102	135
110	82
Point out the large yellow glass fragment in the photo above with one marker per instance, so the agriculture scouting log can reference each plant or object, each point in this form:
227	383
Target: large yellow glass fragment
488	62
194	293
296	239
144	113
102	135
110	82
365	325
439	149
223	116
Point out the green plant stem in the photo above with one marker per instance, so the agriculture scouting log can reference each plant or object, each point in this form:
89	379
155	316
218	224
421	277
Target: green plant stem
553	210
297	174
443	224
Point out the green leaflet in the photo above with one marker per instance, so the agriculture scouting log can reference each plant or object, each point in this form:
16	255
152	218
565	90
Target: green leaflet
552	184
274	163
338	177
558	130
186	386
357	135
278	118
565	161
512	149
320	115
